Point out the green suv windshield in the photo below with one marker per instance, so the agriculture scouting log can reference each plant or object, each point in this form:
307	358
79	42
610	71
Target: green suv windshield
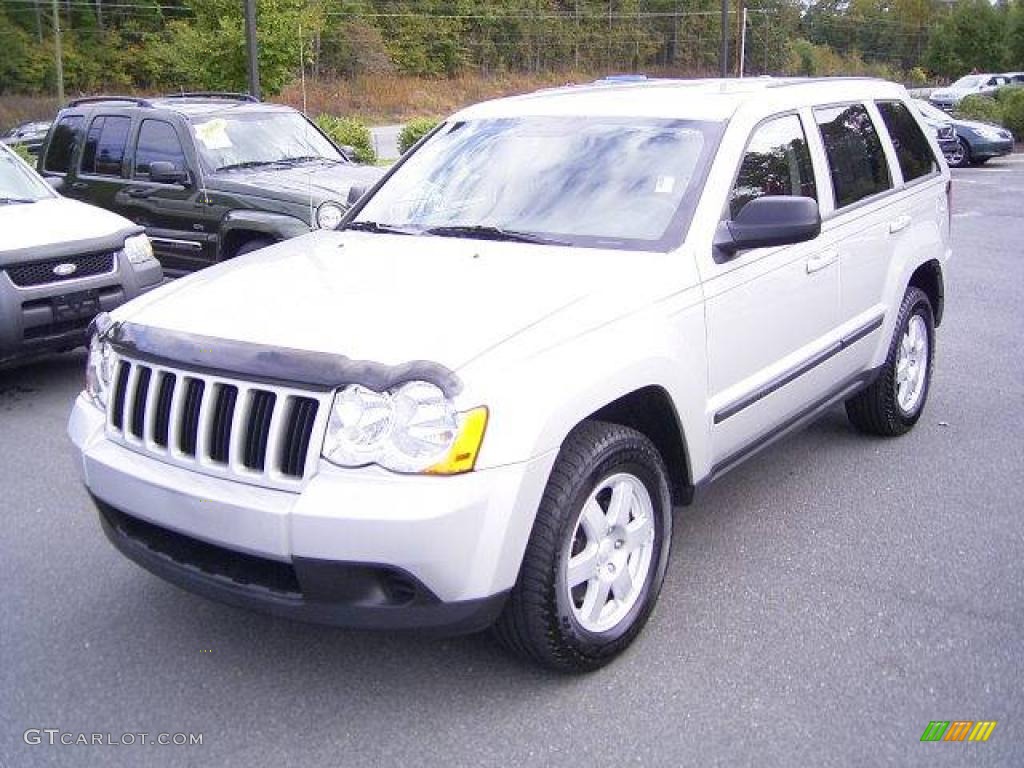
251	139
18	184
597	182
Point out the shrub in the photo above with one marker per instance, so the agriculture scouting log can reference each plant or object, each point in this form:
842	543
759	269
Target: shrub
21	151
978	107
917	77
347	131
415	130
1013	113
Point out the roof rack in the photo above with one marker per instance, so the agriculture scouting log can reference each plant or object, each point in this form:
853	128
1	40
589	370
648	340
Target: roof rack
212	95
100	99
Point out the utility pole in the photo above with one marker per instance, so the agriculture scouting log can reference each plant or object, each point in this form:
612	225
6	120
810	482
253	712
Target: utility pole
57	53
725	39
743	38
253	50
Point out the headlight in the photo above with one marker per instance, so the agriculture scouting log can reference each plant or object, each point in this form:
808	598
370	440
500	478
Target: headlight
99	371
329	215
412	428
138	249
992	134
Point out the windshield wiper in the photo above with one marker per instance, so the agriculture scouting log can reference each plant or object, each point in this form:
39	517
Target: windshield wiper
309	159
389	229
12	200
490	232
247	164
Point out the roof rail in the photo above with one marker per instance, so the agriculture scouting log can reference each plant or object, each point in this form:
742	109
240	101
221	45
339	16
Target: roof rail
212	95
100	99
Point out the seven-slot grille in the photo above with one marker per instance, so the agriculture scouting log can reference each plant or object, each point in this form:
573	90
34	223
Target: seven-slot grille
41	272
253	432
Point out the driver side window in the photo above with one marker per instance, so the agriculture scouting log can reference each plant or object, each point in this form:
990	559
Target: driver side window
776	162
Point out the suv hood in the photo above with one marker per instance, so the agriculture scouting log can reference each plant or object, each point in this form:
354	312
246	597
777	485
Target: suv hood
322	181
392	299
55	221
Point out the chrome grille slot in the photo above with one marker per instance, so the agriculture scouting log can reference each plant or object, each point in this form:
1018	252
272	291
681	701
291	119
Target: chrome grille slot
262	434
299	428
188	438
138	419
257	433
220	427
161	427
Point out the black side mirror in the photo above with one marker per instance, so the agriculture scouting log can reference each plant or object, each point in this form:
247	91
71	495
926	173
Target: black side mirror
770	221
354	193
163	172
348	152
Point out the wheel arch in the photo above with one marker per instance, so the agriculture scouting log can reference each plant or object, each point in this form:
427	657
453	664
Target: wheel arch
928	277
650	411
241	225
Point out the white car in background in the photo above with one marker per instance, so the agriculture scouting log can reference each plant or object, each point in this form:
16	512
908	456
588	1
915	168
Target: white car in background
556	318
946	99
62	262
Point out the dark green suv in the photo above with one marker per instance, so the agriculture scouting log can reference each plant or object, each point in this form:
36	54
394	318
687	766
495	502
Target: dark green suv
210	176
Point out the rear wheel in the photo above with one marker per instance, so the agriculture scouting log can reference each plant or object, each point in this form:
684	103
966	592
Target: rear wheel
894	402
597	554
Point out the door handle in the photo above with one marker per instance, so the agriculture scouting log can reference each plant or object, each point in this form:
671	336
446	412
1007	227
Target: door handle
900	222
138	192
79	185
821	260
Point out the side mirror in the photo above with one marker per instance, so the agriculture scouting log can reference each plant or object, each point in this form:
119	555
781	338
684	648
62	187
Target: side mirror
770	221
163	172
348	152
354	193
56	183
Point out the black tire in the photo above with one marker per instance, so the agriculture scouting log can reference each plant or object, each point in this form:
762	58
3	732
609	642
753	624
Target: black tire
538	621
961	159
876	410
980	160
252	245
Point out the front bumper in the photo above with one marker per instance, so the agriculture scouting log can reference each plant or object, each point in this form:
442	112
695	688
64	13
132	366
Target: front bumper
983	149
29	326
357	548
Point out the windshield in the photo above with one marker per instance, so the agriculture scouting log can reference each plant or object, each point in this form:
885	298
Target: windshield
260	138
593	182
930	112
19	184
971	81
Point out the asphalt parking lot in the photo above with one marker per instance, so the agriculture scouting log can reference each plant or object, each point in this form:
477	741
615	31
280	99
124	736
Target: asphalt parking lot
824	602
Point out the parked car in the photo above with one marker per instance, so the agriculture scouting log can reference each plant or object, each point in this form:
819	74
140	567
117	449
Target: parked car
941	126
947	98
61	263
1015	78
975	143
28	135
554	320
210	176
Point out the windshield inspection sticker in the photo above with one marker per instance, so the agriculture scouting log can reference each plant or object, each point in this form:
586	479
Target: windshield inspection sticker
214	134
665	185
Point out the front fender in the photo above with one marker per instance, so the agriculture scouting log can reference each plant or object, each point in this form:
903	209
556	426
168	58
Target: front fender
277	226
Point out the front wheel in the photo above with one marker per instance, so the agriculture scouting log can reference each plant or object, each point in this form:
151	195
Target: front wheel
597	555
894	402
960	157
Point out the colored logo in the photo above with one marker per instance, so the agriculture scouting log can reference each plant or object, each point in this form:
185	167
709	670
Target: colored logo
958	730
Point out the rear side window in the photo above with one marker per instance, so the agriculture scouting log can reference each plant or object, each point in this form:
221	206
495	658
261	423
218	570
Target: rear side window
66	135
158	141
777	162
856	161
912	149
105	143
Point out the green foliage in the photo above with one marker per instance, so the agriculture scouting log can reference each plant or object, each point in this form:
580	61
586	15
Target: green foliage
917	77
1013	112
415	130
970	37
21	151
347	131
979	107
